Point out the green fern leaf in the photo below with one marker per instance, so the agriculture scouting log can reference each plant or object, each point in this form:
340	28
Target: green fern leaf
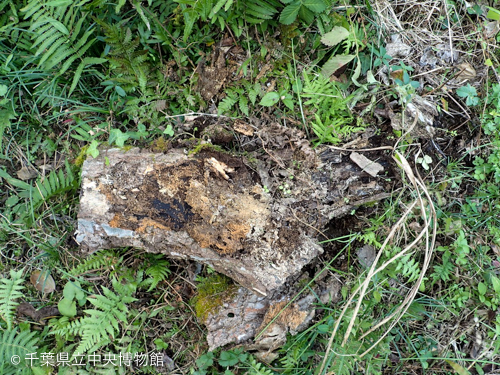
257	368
226	105
31	8
10	291
56	33
99	260
101	324
13	343
157	273
243	103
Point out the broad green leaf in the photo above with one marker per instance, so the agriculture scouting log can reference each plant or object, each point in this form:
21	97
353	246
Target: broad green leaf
493	14
466	91
288	103
370	78
117	137
271	98
12	201
496	284
289	14
228	5
190	17
169	130
323	328
306	15
228	358
335	62
355	76
120	91
334	37
92	150
3	90
119	5
138	8
317	6
481	288
217	7
67	307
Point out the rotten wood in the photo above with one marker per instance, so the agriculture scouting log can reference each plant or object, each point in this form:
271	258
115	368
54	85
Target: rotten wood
254	219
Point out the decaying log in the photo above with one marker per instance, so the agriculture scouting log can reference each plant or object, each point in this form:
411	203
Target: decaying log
206	208
214	208
245	315
256	219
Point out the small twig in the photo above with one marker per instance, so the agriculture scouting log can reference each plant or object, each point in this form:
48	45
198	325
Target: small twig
362	149
307	224
445	82
195	114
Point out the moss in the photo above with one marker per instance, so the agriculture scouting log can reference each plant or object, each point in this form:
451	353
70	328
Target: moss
212	292
160	145
206	146
82	155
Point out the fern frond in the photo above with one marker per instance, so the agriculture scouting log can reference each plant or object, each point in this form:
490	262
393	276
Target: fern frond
56	30
103	259
10	291
131	67
16	343
56	183
257	368
157	273
226	104
243	104
258	11
101	325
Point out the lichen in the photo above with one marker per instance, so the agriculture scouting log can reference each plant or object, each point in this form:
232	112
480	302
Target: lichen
212	292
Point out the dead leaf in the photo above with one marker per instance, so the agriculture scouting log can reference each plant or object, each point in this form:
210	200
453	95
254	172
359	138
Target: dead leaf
415	226
42	281
457	368
467	72
243	128
366	255
160	105
491	29
41	315
496	249
370	167
26	173
263	71
46	167
397	74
